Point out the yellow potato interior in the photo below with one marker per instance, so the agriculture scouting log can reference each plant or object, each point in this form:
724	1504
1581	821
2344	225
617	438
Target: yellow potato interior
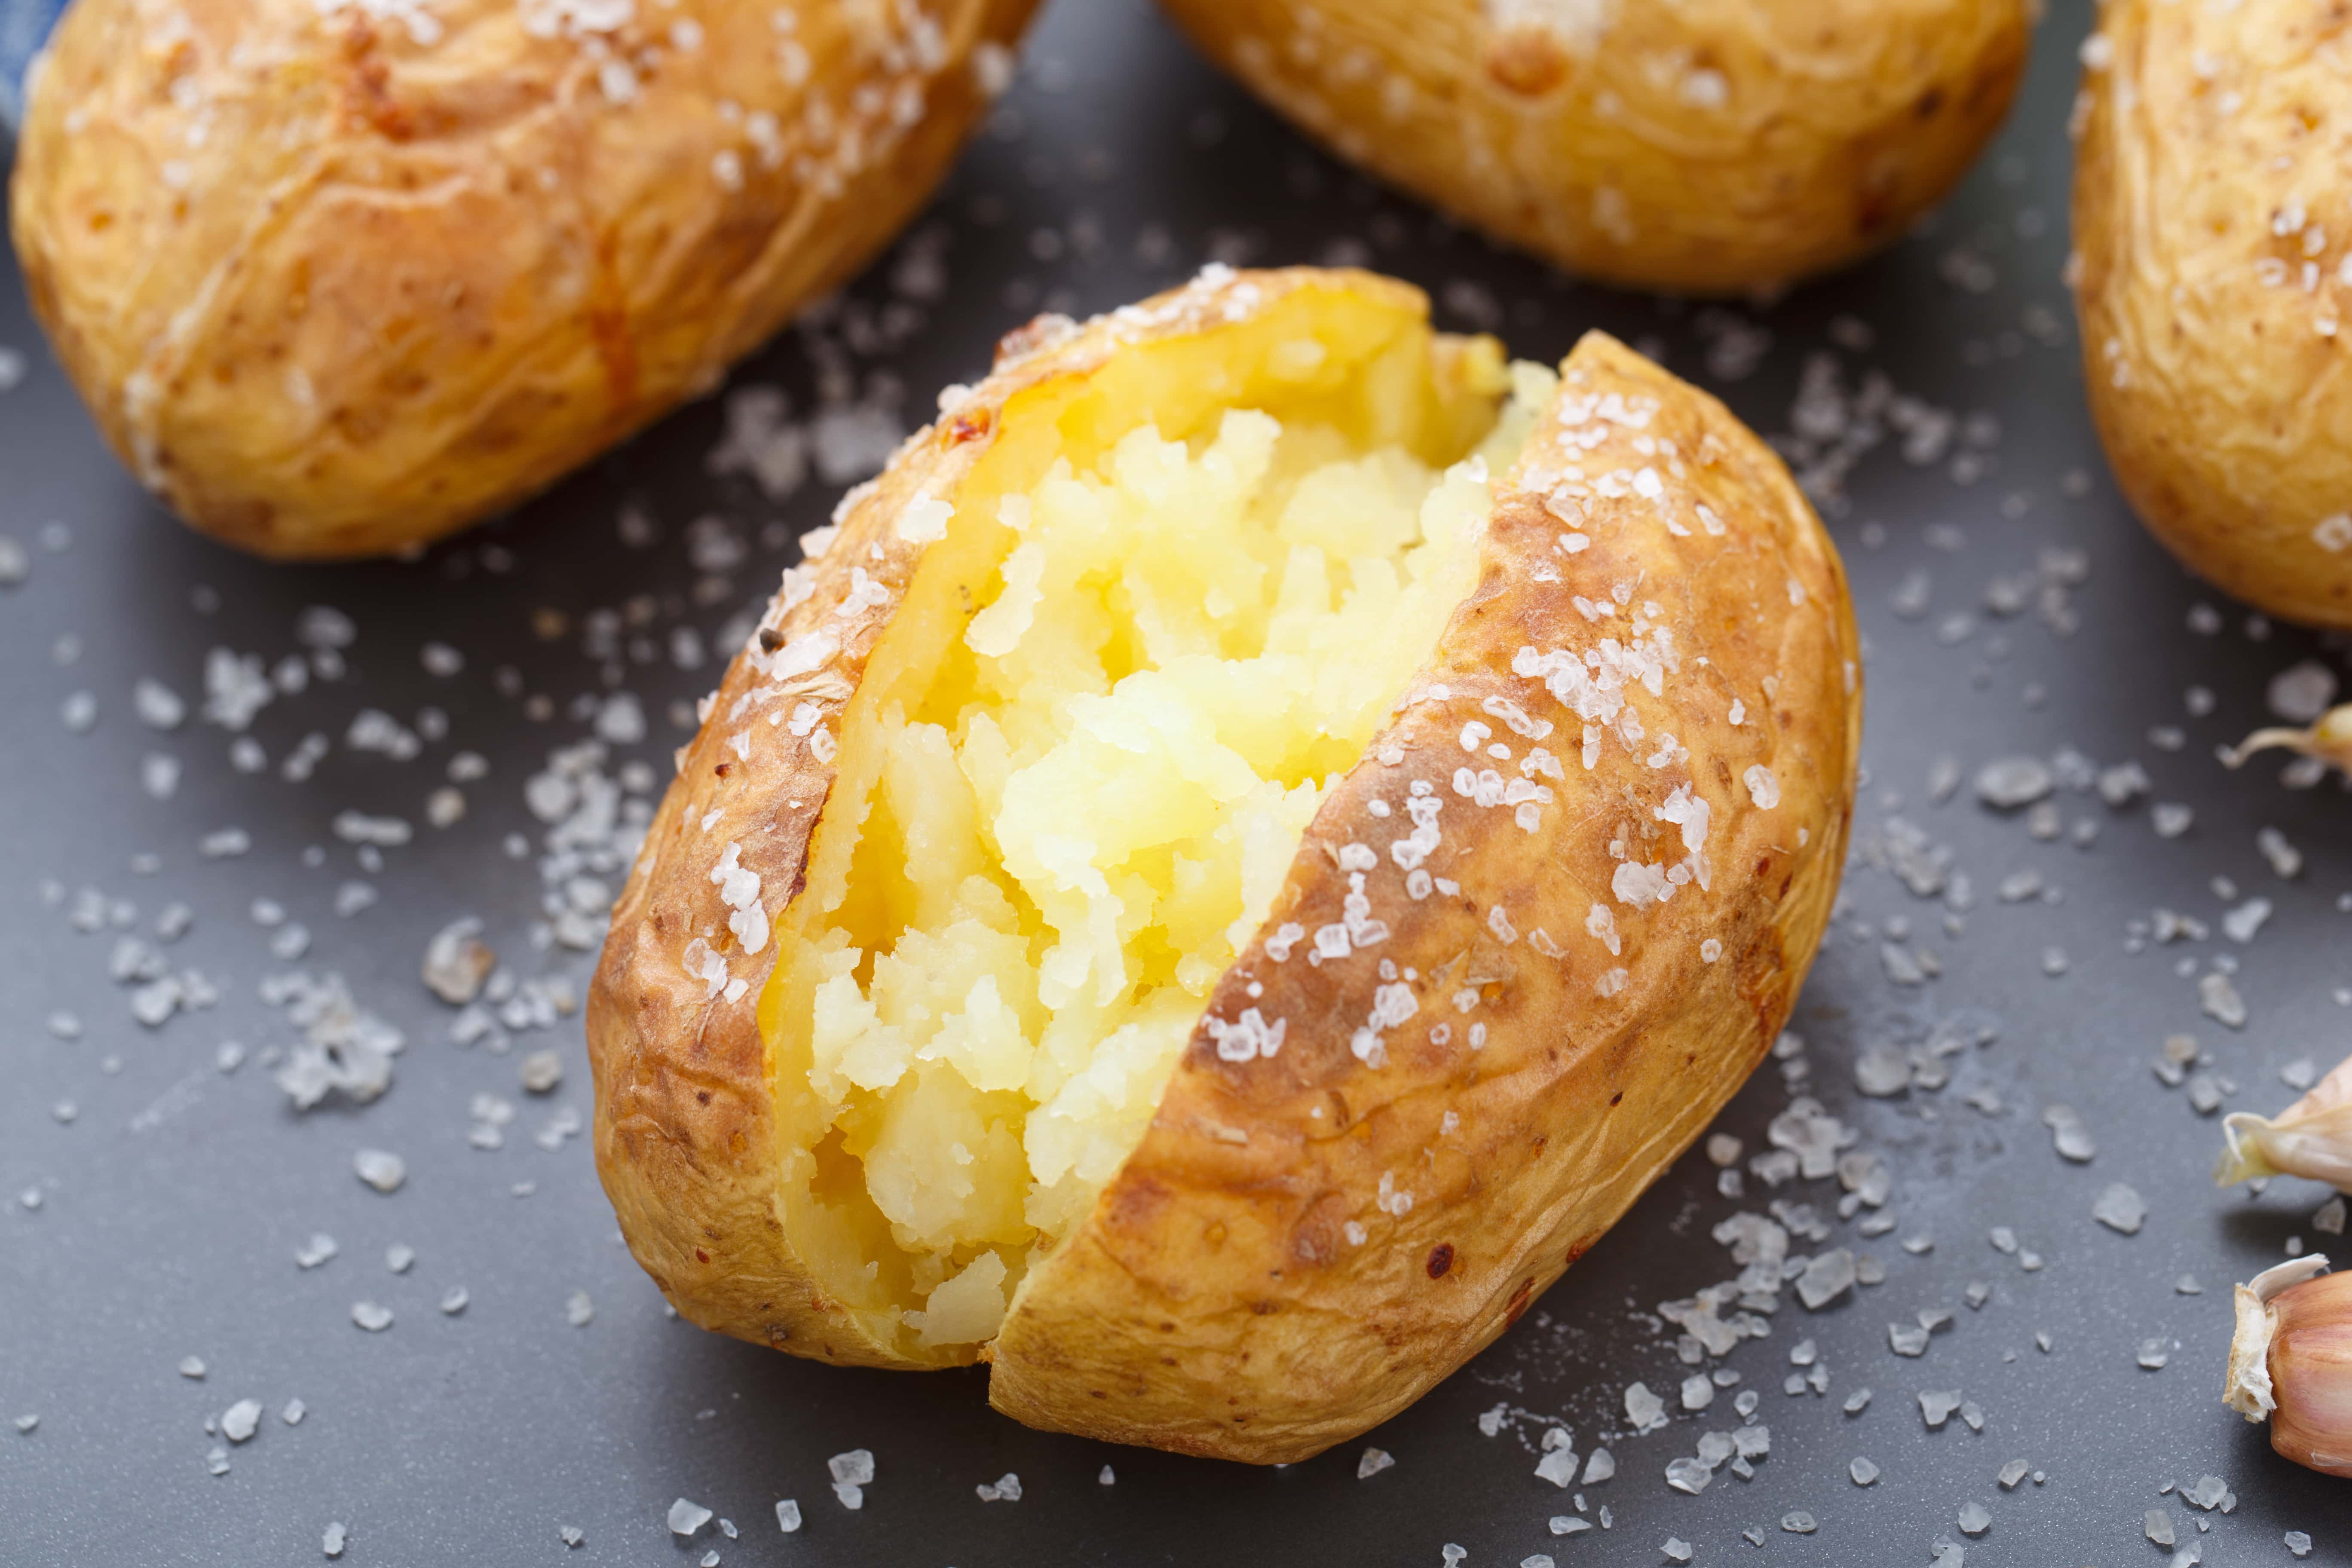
1175	601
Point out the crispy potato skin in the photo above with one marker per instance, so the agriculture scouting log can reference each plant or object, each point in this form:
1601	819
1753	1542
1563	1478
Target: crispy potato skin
330	290
1214	1302
685	1134
1708	147
2217	369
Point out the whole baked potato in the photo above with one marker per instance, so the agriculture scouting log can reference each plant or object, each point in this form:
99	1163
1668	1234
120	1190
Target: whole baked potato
2213	278
1705	146
338	279
1230	866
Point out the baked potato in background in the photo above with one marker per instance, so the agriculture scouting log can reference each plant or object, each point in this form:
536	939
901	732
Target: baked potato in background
1229	866
2212	274
1706	147
338	279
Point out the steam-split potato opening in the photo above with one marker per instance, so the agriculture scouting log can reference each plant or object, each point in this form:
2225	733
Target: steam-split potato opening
1170	606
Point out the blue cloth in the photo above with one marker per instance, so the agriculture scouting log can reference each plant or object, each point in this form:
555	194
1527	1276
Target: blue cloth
23	24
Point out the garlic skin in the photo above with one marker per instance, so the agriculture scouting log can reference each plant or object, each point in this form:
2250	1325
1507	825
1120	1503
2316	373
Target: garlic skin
2248	1388
2310	1138
2291	1359
2330	739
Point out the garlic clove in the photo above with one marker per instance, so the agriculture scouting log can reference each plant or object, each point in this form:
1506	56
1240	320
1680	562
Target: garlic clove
2330	739
2310	1365
2248	1389
2310	1138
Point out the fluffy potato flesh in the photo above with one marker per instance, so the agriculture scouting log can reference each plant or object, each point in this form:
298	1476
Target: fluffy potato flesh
891	990
1160	622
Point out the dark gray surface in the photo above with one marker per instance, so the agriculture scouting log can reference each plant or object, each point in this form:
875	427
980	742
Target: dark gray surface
172	1204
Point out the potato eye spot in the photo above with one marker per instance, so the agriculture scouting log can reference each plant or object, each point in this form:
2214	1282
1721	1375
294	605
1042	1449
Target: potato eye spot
1441	1260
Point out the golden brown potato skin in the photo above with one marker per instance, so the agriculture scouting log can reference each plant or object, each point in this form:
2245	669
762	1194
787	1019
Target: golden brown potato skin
1707	146
685	1132
1214	1301
335	285
1221	1300
2211	232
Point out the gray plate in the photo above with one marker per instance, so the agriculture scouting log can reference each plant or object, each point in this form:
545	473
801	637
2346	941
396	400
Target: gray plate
171	1205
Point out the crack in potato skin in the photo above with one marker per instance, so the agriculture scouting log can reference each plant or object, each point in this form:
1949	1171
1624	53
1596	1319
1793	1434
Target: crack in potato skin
1187	1315
1257	1283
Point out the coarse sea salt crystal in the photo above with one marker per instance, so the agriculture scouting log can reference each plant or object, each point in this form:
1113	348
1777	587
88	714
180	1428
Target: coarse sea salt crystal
238	1422
2009	783
1644	1408
380	1169
2120	1209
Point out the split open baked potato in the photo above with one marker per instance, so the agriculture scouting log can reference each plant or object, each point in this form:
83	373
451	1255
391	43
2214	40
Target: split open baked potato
1704	146
338	279
2213	278
1230	866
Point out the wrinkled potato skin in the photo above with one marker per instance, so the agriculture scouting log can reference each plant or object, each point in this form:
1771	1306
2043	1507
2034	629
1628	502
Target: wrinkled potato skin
333	292
1213	1303
1564	126
686	1133
2224	401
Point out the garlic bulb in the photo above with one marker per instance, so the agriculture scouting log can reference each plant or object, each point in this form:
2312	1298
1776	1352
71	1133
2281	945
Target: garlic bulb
2330	739
2312	1138
2291	1361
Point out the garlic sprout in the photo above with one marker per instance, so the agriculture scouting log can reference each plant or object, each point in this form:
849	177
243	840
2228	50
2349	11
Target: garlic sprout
2330	739
2310	1138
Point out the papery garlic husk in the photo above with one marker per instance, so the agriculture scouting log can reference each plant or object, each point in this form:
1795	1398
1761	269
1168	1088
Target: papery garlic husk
2310	1138
2291	1361
2330	739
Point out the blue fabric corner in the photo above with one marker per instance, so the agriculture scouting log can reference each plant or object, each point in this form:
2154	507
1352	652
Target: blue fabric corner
24	24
